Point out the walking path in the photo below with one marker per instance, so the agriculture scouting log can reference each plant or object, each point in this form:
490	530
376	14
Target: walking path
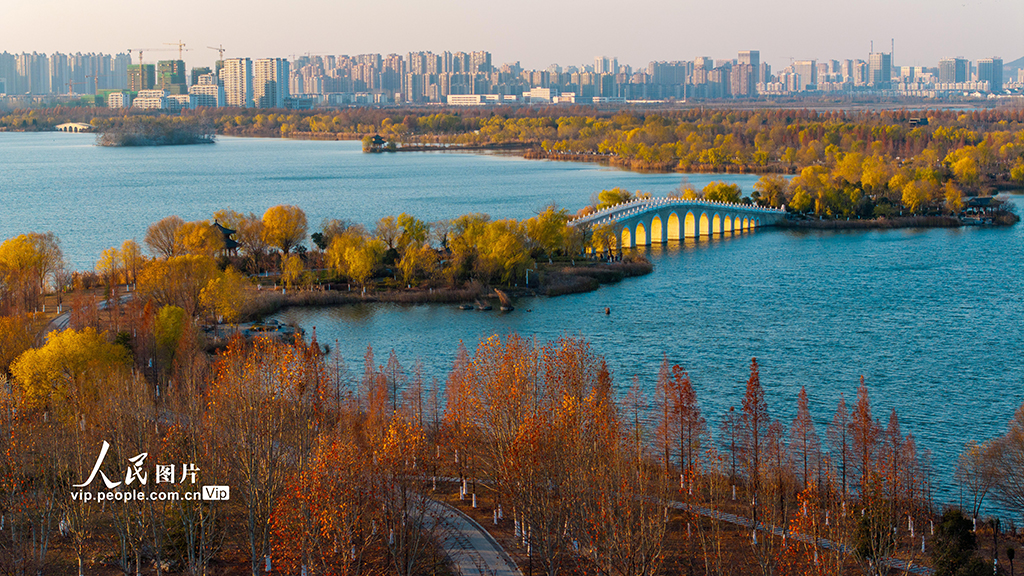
472	550
894	563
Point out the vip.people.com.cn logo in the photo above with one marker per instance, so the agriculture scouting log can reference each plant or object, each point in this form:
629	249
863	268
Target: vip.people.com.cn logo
137	476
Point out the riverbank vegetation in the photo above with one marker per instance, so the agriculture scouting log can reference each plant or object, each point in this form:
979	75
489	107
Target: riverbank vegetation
153	131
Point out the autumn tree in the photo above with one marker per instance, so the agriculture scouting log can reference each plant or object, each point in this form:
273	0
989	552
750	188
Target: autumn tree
226	295
722	192
804	440
254	418
839	445
68	374
177	281
131	260
284	227
607	198
755	422
16	336
199	238
547	231
863	435
387	231
27	263
771	190
162	237
1008	464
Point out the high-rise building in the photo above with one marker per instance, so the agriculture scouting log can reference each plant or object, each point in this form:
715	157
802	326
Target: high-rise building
879	69
119	72
480	62
807	70
236	76
141	77
752	57
60	79
953	70
270	82
991	70
8	72
606	65
170	76
741	80
33	74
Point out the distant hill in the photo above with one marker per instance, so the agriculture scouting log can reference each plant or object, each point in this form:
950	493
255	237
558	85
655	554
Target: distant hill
1010	68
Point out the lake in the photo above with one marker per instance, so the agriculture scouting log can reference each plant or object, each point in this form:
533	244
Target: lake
932	318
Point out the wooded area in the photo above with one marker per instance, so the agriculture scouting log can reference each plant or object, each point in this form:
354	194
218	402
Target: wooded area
329	469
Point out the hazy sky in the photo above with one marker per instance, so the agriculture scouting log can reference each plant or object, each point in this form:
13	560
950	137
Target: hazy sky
537	33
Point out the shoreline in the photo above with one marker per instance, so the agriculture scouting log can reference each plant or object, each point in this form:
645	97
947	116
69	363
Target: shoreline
557	279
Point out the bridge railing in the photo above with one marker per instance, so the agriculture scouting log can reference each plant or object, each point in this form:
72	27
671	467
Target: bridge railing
626	209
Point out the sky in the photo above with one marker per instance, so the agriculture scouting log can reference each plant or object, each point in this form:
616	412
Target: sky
537	33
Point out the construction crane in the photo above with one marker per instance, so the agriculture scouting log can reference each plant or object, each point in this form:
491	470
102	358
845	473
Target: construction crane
180	45
141	50
219	49
73	83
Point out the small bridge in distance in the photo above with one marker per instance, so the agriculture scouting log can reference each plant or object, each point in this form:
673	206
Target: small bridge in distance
658	220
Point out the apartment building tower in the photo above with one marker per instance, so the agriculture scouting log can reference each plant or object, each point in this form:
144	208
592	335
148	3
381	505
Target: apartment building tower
752	57
270	82
991	70
236	76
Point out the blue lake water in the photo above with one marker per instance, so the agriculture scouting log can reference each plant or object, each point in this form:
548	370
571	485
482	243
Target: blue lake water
931	318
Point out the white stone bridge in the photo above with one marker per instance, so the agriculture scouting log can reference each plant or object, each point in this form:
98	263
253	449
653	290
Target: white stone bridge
657	220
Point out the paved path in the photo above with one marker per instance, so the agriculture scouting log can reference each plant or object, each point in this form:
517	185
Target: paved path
894	563
472	550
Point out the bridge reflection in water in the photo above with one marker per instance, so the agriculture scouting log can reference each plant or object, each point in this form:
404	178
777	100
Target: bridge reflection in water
649	221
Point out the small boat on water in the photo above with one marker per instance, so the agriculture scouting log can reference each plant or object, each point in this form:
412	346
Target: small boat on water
482	305
465	306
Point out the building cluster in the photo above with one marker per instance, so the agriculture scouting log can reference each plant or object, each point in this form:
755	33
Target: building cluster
38	74
460	78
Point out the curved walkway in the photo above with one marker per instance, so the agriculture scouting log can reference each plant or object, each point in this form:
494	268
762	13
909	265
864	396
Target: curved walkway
473	552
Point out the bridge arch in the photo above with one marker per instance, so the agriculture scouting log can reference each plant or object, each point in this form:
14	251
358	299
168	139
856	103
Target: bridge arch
746	225
727	224
657	230
640	239
627	239
690	226
716	225
705	227
672	227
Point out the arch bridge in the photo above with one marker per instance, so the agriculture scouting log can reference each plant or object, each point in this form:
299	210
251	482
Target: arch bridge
643	222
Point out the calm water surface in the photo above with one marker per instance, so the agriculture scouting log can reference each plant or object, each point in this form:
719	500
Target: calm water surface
95	197
931	318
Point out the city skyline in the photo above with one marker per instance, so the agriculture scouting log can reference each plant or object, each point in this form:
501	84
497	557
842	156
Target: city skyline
534	34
